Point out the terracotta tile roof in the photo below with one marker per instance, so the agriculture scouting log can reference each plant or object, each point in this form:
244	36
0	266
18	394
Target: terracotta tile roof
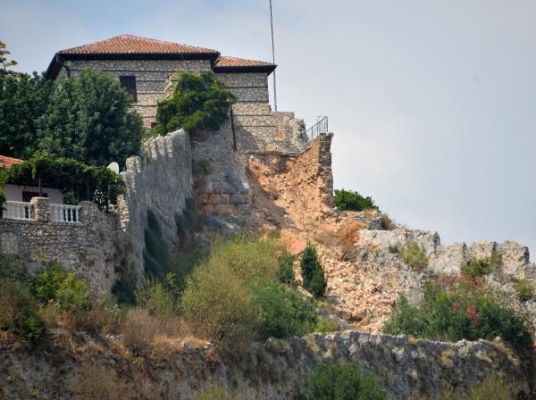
225	61
9	161
130	44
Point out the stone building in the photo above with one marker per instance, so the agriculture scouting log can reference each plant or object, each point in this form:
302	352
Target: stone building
143	67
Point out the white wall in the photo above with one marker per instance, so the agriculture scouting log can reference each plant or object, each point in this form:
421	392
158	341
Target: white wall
14	193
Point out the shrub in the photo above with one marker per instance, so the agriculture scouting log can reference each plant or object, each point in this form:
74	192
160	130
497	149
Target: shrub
455	313
387	223
218	306
216	393
342	382
283	312
12	271
157	298
312	272
326	325
199	101
156	253
480	267
492	388
353	201
58	286
285	272
414	256
18	312
253	260
524	289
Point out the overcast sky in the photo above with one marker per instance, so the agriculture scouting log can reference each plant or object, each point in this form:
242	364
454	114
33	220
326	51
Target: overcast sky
432	102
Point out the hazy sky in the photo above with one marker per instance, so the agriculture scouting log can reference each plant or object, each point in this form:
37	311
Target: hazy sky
432	102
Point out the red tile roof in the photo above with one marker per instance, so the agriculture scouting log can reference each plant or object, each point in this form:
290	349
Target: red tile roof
130	44
225	61
9	161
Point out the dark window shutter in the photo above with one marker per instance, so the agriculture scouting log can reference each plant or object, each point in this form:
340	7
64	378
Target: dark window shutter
129	83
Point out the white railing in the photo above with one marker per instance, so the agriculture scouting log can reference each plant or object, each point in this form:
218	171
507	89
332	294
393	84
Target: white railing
18	210
65	213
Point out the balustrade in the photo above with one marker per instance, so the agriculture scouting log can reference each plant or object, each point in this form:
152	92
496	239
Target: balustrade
18	210
65	213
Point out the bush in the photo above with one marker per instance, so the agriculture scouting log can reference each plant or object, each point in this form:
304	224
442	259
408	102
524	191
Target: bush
327	325
216	393
525	289
312	272
18	312
253	260
414	256
353	201
342	382
199	101
157	298
458	312
285	272
219	307
480	267
97	383
156	253
492	388
283	312
58	286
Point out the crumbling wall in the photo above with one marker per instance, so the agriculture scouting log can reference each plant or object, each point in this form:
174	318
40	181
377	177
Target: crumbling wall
276	369
300	184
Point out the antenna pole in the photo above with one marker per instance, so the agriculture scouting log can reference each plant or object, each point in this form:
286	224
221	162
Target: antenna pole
273	54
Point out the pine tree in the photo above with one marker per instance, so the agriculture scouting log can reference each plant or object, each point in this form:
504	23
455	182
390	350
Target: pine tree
313	274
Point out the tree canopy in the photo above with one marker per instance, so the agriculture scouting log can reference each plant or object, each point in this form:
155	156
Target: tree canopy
4	52
23	99
89	119
199	101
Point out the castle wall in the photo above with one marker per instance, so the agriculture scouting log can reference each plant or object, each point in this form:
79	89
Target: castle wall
161	181
276	369
87	247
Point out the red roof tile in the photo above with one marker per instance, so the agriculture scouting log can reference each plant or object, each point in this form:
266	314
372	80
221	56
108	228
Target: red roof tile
225	61
9	161
130	44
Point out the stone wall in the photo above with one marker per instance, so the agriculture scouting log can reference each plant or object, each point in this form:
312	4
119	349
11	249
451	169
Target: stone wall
87	247
161	181
276	369
151	76
301	184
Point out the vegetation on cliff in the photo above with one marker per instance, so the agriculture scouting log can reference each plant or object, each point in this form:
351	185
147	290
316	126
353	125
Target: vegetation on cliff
199	101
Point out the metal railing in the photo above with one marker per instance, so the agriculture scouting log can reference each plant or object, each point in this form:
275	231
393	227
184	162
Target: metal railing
65	213
321	126
18	210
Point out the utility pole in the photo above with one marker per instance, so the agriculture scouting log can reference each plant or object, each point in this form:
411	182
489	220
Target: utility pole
273	54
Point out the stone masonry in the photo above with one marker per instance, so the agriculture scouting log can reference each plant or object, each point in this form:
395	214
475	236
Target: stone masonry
87	247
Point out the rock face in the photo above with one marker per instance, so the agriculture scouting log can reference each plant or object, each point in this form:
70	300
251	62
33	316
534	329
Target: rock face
274	370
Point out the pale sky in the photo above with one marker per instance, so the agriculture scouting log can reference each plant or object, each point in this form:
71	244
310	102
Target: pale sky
432	102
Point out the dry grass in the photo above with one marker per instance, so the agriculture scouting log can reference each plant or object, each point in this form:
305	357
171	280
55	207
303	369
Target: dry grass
95	383
141	330
348	233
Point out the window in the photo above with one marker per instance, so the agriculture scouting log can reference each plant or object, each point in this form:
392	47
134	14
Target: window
27	196
129	83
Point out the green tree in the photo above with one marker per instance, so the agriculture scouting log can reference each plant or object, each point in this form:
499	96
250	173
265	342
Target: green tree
4	52
23	99
353	201
342	382
90	120
313	274
199	101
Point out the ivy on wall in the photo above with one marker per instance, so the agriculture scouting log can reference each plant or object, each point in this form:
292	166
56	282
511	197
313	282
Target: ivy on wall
76	180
